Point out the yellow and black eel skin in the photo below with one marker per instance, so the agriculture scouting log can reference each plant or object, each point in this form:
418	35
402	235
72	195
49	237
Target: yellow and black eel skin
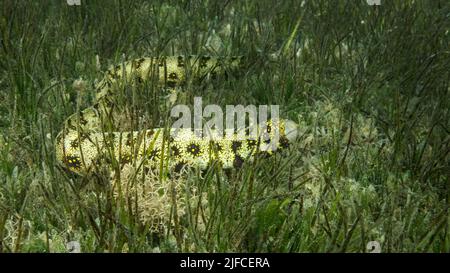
85	138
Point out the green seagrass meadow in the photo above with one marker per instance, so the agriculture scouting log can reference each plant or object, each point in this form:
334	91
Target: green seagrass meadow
367	85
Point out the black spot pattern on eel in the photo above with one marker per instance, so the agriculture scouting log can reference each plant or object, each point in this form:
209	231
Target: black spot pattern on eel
125	158
73	162
138	63
238	161
175	150
173	76
251	143
235	145
284	142
193	149
154	154
179	166
180	62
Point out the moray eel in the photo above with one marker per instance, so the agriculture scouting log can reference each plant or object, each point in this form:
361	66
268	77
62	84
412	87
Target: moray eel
86	141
